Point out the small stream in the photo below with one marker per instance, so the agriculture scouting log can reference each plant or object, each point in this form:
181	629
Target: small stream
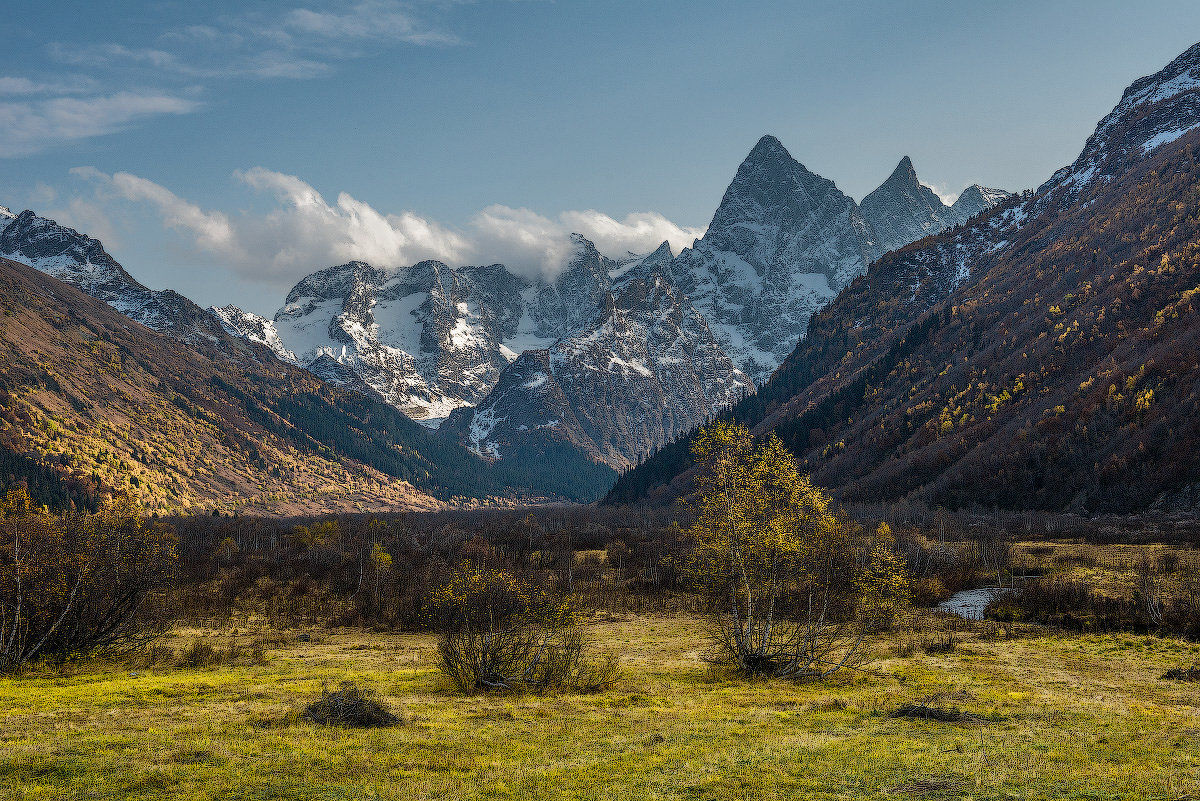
970	604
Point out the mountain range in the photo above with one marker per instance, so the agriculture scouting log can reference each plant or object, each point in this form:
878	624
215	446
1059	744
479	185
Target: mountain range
1041	355
109	387
610	357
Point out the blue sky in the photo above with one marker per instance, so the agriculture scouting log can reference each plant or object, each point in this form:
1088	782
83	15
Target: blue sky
226	149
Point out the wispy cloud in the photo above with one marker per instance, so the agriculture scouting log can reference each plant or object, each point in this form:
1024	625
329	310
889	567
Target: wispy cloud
374	20
304	232
947	195
176	66
13	86
29	126
295	43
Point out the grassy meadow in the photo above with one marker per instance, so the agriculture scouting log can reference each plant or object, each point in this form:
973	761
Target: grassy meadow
1051	716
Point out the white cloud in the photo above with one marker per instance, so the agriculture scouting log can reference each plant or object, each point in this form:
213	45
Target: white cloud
948	197
531	244
639	232
526	242
29	126
303	232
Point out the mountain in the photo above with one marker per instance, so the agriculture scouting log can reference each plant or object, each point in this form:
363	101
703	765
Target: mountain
782	243
1041	356
646	370
976	199
1154	111
94	403
681	339
903	210
633	350
430	338
83	262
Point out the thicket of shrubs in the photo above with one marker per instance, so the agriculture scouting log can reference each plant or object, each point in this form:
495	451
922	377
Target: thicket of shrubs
76	583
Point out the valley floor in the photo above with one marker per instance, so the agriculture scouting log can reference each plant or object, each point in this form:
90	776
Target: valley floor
1061	717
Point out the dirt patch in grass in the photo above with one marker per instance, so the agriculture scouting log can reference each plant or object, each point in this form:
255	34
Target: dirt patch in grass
928	709
925	787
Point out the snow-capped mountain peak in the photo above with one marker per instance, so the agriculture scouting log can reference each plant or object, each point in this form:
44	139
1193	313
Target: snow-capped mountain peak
976	199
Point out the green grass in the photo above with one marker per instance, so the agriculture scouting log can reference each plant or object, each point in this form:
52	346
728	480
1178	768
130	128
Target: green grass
1067	717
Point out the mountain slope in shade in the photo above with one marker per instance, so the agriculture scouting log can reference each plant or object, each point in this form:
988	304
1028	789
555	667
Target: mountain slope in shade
647	370
903	210
1043	356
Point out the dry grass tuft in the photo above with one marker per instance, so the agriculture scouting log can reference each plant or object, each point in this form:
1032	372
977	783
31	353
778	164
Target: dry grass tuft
349	705
1183	674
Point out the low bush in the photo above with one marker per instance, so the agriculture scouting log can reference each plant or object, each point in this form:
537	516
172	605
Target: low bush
1183	674
499	631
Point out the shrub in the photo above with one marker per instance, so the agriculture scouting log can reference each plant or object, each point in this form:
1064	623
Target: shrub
1183	674
78	583
498	631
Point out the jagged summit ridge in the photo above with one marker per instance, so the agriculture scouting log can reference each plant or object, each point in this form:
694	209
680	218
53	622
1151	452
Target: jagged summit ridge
1153	111
431	338
82	261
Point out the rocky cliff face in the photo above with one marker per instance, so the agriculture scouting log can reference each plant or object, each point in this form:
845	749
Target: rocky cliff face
782	243
646	369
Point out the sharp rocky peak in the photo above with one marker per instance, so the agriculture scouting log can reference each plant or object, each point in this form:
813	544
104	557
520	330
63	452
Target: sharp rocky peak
903	210
904	173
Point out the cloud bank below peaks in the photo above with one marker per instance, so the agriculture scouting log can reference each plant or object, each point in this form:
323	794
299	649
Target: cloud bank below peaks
301	232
